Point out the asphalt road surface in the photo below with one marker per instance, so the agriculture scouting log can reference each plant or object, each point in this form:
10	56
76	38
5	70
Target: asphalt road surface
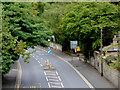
33	74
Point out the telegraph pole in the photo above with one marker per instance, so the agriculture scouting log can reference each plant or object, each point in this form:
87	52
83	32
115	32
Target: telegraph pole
101	54
118	59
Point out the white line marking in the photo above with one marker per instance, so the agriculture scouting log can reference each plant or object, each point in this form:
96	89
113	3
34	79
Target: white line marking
62	84
56	86
49	85
45	73
51	77
57	73
53	80
50	74
55	83
38	62
41	65
41	58
46	78
59	78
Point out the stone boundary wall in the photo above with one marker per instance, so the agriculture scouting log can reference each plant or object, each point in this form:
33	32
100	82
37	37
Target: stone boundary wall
109	73
56	46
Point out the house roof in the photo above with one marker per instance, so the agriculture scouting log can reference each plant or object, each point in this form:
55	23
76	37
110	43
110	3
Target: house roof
111	49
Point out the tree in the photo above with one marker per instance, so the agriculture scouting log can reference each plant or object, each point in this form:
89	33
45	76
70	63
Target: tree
22	28
25	22
84	22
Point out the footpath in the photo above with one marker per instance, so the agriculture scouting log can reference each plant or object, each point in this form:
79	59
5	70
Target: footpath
89	72
9	81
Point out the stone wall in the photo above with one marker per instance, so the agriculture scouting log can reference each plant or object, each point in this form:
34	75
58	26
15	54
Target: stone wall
109	73
56	46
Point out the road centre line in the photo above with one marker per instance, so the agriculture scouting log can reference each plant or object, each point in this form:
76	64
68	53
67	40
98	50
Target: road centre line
38	62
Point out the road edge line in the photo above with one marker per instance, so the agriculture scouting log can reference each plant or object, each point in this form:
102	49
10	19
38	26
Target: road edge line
78	72
19	75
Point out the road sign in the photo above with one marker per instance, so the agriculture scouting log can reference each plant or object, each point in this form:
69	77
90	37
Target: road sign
78	48
73	44
48	51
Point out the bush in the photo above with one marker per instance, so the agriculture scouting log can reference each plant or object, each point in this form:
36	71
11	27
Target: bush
110	58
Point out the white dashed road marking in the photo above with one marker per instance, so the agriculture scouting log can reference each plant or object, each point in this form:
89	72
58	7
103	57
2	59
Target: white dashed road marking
41	65
38	62
53	79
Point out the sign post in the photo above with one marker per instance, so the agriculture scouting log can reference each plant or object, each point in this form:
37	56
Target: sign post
73	45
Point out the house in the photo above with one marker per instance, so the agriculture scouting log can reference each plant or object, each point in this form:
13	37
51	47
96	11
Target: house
112	49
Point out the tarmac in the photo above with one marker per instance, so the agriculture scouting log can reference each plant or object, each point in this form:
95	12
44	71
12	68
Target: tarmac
9	81
89	72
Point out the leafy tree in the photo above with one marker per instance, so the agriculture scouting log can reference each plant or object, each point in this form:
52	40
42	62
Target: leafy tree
25	22
52	16
22	28
84	22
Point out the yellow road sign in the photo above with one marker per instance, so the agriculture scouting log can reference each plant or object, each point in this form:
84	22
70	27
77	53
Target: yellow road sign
78	48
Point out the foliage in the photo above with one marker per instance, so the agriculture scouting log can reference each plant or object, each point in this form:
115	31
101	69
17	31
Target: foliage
22	28
52	16
84	23
25	22
110	58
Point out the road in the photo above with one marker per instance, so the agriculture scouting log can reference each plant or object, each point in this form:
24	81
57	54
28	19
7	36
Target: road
33	74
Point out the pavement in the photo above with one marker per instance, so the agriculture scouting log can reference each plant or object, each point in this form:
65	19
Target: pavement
33	75
9	81
89	72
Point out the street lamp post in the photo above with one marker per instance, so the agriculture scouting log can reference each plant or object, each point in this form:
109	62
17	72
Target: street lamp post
101	54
